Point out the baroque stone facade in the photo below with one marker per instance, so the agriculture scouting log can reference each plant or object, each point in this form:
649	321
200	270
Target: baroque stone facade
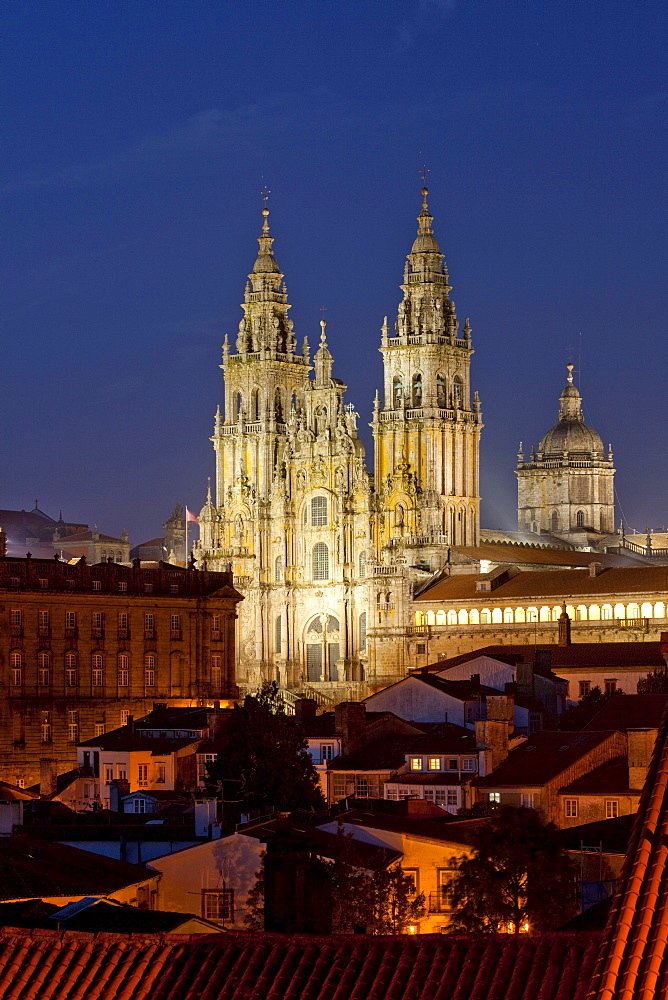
322	550
567	486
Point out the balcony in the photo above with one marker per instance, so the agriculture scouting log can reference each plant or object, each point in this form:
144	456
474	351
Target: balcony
97	632
149	633
439	902
124	633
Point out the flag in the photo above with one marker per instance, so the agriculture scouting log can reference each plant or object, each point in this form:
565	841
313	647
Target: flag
191	517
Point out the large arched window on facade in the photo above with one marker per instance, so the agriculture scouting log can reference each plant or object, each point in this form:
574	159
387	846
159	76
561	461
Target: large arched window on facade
255	405
441	392
362	630
318	511
417	390
278	569
457	391
278	404
554	521
580	519
320	558
398	393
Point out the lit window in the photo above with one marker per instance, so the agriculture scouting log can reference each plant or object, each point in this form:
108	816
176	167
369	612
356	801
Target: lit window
99	729
611	808
149	670
434	763
70	619
320	562
125	715
215	625
416	763
122	587
218	905
142	774
318	511
527	799
571	808
149	624
216	670
97	585
162	774
494	797
175	624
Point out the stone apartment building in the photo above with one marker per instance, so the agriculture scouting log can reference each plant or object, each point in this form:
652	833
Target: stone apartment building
83	648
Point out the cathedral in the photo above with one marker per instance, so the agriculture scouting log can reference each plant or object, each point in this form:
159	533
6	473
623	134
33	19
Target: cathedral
322	549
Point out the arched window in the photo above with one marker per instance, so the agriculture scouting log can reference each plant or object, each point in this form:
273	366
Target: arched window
278	634
554	521
485	617
594	613
520	615
278	404
278	569
457	391
362	627
580	519
452	617
399	518
398	393
508	615
240	404
463	617
149	669
417	390
362	569
255	405
318	511
474	616
441	392
320	562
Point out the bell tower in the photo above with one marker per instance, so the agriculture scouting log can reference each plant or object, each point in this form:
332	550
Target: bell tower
426	429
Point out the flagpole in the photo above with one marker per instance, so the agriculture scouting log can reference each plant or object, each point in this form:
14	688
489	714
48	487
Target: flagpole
185	514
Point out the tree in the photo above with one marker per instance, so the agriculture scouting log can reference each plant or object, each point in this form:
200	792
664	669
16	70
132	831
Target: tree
377	902
254	918
519	877
264	763
576	717
655	683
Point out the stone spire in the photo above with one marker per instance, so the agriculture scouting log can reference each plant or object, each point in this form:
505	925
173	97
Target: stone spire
323	360
426	310
570	401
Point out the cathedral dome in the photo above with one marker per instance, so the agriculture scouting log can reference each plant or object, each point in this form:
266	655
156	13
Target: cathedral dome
571	433
571	436
266	264
425	241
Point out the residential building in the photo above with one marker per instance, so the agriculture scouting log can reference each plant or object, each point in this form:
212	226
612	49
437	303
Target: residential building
534	773
83	648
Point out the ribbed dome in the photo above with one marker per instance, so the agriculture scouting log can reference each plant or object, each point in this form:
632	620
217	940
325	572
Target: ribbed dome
266	264
571	436
426	243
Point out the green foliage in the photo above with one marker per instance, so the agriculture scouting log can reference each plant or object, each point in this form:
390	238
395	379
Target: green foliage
518	876
264	763
654	683
380	902
576	717
254	919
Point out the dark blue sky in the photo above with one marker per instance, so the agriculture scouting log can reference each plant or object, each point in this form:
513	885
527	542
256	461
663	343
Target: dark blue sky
135	140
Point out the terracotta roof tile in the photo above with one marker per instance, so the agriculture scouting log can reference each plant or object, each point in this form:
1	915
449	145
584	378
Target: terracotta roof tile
630	711
610	777
51	965
543	756
541	556
578	654
557	584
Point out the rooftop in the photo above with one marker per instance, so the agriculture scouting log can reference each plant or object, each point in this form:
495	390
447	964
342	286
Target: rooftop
540	555
610	778
577	654
555	585
35	868
630	711
543	756
53	965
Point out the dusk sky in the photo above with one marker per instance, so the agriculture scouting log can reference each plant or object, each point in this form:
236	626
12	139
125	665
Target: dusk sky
136	137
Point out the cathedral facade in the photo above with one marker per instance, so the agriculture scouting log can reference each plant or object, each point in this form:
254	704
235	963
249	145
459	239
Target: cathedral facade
324	550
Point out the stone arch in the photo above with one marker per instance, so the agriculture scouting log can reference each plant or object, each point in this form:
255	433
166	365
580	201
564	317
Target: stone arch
417	390
441	391
397	393
457	392
322	642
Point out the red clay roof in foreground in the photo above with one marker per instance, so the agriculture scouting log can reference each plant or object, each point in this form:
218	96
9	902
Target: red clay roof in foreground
68	965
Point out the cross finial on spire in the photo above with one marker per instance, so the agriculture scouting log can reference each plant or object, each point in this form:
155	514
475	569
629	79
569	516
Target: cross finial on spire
423	173
265	211
569	366
265	194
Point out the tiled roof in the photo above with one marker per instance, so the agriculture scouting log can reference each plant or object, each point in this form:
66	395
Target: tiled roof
630	711
542	757
374	857
613	834
442	828
125	739
31	867
388	752
52	965
535	555
576	655
558	584
97	915
611	777
632	960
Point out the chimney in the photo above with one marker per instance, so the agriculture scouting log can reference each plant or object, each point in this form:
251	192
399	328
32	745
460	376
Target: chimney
493	732
543	660
524	671
350	721
641	746
564	628
475	680
48	777
118	789
305	709
595	569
